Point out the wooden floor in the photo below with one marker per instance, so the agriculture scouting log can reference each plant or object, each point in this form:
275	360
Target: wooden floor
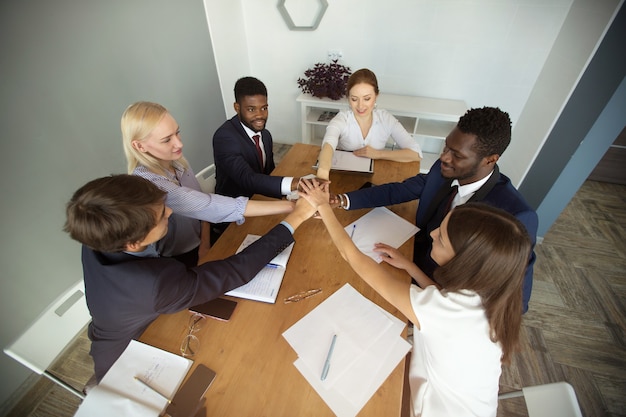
574	330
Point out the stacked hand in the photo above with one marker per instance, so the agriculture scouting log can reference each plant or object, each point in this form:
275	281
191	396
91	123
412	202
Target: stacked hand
315	192
334	200
309	178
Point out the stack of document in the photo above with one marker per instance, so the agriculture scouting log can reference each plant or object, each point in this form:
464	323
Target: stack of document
266	284
380	225
137	384
348	161
368	346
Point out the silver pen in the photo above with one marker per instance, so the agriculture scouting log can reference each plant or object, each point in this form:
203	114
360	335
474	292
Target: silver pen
328	357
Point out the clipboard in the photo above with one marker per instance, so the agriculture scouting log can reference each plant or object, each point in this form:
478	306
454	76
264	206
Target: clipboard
347	161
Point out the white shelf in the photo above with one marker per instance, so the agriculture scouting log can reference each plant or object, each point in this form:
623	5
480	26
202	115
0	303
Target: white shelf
427	161
435	128
428	120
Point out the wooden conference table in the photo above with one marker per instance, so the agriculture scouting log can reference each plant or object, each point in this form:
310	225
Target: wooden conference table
253	362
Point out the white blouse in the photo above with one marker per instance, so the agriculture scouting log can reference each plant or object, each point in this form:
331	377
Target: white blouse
455	366
343	132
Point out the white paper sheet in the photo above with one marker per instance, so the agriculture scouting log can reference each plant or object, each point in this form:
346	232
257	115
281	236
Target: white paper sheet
367	350
346	400
120	394
266	284
348	161
380	225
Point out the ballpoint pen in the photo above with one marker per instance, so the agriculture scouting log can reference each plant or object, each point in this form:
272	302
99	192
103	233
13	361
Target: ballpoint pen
352	233
328	357
145	383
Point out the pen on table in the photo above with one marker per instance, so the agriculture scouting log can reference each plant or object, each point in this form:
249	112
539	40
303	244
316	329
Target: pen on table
153	389
328	357
352	233
302	295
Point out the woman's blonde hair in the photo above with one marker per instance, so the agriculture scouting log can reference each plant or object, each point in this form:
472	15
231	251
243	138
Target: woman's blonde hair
138	121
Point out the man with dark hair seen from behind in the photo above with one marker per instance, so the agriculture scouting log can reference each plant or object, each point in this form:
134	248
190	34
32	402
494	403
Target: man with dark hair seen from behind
466	171
118	220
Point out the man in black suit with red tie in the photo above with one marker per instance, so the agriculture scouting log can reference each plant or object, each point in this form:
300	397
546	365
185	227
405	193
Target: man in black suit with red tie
119	219
242	150
242	147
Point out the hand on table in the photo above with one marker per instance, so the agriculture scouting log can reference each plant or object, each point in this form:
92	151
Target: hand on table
366	152
392	256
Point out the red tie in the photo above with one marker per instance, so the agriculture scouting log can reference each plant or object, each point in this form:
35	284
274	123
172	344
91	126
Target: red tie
258	148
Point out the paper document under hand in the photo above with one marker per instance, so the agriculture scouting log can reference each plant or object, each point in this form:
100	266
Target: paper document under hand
266	284
380	225
125	389
348	161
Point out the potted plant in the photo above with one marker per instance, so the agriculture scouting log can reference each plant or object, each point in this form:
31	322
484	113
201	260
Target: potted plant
325	80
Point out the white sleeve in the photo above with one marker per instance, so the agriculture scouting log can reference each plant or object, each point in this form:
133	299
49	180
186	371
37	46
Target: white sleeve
335	129
399	134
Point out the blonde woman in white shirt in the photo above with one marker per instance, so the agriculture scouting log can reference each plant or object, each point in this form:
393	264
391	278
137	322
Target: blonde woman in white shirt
365	129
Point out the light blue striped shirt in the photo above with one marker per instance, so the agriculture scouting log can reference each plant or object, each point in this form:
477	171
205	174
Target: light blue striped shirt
190	205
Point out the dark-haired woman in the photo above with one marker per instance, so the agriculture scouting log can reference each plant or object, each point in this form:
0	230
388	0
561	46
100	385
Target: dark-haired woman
467	324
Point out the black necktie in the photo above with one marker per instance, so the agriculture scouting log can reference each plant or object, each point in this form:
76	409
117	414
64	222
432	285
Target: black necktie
453	192
258	148
443	209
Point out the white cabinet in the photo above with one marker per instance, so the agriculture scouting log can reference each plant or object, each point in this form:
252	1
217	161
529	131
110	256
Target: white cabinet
428	120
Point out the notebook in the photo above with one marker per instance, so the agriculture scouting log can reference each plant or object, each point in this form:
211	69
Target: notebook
137	383
347	161
266	284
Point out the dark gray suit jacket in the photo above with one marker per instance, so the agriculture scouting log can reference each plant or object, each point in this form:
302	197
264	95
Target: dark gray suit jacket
125	293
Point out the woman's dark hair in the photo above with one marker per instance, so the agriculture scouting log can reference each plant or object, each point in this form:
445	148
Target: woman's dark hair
491	249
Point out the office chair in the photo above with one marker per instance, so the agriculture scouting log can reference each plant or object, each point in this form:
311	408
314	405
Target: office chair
549	400
46	339
206	178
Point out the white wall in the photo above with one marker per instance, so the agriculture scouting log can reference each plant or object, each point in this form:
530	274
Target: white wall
486	52
230	46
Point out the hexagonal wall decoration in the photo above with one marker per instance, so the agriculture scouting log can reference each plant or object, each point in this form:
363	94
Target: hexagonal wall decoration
285	5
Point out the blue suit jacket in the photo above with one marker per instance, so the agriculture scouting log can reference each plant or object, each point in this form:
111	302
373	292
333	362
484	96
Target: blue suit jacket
125	293
425	187
237	168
